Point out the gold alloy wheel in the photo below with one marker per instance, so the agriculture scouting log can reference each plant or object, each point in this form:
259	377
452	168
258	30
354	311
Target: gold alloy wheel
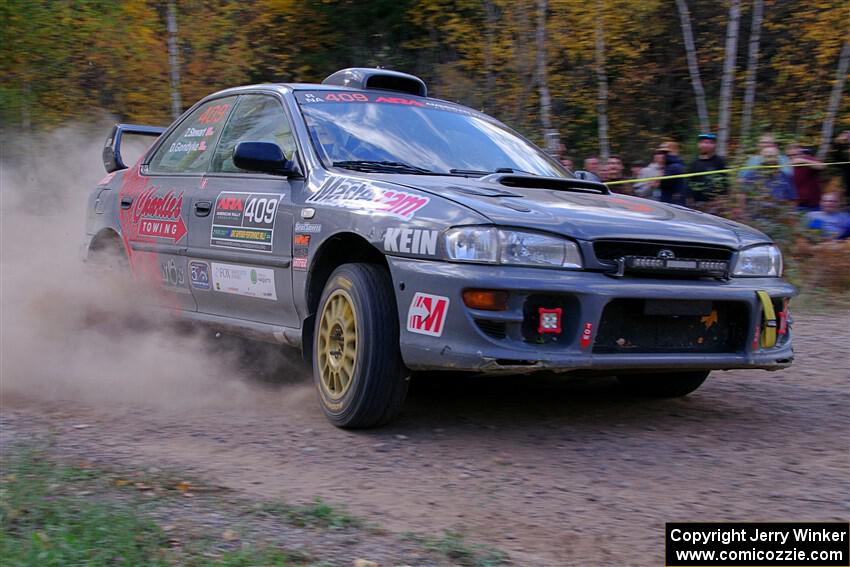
337	344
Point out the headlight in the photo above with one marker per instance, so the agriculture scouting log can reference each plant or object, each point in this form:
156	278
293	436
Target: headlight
497	246
759	261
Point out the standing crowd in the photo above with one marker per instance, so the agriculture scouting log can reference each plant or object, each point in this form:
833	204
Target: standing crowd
769	181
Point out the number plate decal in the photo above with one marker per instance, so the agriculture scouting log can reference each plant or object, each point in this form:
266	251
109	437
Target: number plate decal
244	221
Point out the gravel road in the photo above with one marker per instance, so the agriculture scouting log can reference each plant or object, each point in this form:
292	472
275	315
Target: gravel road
554	471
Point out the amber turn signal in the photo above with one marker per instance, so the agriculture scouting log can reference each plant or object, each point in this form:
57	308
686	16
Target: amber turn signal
486	299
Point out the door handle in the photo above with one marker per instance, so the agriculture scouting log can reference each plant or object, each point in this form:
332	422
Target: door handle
203	208
126	202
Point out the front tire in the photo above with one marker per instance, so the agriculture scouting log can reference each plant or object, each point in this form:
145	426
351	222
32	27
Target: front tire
357	367
664	384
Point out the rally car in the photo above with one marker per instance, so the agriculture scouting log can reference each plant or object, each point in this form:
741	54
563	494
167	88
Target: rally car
385	232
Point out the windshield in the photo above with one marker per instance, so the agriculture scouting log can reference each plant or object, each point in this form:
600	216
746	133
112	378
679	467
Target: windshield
385	132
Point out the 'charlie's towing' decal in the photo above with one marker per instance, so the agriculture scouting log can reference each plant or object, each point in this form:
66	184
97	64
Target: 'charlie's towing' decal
158	216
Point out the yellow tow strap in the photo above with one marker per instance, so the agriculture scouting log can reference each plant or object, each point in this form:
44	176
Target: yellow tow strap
769	324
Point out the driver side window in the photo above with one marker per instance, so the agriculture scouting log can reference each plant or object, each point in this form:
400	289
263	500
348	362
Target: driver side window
256	118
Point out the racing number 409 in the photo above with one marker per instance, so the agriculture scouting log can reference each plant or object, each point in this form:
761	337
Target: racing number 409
260	210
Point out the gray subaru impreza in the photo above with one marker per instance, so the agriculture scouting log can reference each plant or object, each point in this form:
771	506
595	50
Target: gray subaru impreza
384	232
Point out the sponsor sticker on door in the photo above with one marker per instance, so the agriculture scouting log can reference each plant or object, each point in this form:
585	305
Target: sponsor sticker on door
244	220
427	314
244	280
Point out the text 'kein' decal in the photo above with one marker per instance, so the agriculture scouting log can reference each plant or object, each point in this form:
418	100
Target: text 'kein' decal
427	314
411	241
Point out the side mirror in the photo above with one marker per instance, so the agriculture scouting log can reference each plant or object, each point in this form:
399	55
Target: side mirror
265	157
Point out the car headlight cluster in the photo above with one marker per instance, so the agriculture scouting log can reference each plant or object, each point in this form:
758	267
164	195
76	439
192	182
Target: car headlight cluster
490	245
759	261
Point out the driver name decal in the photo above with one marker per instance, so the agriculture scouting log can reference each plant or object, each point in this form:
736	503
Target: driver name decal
348	194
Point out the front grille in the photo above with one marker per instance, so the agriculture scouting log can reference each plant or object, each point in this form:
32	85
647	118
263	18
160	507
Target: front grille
672	326
616	249
663	259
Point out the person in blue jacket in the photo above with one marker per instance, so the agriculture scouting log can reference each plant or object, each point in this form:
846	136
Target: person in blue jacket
673	190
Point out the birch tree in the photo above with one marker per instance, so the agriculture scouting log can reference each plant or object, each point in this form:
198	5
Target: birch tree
602	90
752	68
173	62
549	133
693	64
728	76
834	100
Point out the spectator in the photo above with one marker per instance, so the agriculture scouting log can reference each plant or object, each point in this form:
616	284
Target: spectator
806	178
673	190
830	221
649	189
634	169
706	188
766	191
614	169
767	141
841	153
568	163
591	165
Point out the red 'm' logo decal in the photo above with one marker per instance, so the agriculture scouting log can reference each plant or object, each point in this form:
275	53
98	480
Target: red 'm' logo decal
427	314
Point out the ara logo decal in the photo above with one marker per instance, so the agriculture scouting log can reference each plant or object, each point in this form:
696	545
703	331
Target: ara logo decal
399	100
427	314
159	215
411	241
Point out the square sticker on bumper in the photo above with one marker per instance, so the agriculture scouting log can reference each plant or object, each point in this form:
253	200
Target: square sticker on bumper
427	314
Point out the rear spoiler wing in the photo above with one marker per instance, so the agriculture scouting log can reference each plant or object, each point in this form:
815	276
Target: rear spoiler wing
112	148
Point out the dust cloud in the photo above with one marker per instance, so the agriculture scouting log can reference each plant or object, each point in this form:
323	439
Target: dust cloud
71	332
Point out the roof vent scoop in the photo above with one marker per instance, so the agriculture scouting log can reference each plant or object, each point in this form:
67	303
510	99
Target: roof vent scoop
381	79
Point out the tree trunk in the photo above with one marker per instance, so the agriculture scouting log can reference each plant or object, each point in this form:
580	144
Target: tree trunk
174	63
693	65
602	96
834	100
728	77
752	69
549	133
491	18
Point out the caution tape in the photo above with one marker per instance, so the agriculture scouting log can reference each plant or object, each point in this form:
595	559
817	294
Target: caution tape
718	171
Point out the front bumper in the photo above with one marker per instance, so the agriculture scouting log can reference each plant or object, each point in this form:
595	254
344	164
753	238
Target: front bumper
467	340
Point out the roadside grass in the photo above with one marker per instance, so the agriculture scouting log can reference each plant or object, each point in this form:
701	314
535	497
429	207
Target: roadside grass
54	514
48	518
317	514
453	546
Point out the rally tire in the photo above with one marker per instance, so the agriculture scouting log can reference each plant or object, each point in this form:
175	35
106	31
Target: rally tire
664	384
366	387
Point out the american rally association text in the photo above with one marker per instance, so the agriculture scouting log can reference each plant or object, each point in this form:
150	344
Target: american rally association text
726	536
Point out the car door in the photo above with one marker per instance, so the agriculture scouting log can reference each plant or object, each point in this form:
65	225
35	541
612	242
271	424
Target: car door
155	207
240	245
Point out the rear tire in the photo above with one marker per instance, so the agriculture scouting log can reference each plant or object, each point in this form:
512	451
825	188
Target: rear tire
664	384
357	367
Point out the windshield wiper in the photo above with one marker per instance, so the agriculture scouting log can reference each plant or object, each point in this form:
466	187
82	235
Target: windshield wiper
383	167
478	173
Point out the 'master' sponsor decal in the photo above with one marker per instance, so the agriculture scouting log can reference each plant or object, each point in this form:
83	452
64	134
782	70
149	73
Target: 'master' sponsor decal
349	194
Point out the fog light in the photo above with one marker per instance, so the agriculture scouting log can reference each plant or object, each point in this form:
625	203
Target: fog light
550	320
486	299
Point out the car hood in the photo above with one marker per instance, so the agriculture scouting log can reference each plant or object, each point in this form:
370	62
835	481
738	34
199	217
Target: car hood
584	215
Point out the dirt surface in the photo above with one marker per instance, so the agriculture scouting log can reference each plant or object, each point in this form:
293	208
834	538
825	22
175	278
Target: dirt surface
554	471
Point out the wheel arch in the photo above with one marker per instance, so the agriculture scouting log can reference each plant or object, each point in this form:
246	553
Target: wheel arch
341	248
106	240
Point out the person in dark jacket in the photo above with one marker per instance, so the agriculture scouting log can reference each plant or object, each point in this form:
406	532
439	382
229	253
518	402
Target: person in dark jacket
673	190
706	188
